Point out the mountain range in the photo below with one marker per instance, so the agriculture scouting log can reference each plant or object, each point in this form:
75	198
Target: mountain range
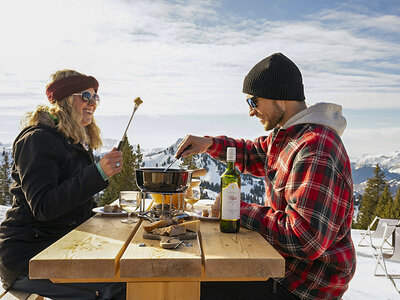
253	187
362	168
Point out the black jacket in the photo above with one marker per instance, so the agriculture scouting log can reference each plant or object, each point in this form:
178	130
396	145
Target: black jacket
55	181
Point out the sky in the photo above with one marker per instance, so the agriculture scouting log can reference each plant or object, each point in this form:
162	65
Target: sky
187	61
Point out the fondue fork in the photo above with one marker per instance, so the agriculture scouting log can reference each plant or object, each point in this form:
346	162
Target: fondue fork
178	157
137	102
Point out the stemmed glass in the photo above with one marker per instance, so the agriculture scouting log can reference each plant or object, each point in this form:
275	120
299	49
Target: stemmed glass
192	194
130	201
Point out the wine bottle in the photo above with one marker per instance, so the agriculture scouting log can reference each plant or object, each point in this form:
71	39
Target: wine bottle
230	195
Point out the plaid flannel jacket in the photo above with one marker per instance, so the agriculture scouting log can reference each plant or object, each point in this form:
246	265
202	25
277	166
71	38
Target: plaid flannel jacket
308	204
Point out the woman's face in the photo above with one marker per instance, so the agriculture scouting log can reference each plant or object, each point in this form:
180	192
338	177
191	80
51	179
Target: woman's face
84	108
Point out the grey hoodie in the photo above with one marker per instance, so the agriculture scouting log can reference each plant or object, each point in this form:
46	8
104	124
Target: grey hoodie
327	114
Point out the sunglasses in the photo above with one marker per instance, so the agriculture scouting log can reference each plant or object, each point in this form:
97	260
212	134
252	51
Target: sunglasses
252	102
89	98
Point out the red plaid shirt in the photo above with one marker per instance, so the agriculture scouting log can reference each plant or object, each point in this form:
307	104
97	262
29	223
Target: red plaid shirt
308	204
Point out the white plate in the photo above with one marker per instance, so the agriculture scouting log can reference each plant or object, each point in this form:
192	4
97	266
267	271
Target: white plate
206	202
100	210
198	214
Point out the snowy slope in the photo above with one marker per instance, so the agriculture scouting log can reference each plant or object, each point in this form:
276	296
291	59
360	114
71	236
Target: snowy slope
215	169
362	166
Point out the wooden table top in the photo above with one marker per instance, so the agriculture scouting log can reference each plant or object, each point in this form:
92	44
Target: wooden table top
104	249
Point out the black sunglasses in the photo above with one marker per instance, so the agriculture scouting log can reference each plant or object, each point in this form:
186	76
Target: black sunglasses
89	98
252	102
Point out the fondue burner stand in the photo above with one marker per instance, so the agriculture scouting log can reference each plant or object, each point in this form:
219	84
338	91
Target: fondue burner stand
165	209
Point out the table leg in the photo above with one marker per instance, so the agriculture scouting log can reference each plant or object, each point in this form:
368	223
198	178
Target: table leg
163	290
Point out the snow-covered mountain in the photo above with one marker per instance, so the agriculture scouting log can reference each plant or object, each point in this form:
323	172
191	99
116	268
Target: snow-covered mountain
362	168
253	187
5	146
109	144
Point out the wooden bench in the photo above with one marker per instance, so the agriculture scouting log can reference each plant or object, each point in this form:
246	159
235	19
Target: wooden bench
17	295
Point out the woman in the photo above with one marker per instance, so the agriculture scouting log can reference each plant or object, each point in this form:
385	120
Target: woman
55	178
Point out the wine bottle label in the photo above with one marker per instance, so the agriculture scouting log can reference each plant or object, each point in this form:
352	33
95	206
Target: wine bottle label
231	202
231	154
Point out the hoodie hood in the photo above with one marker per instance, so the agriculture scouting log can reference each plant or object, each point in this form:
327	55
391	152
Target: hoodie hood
326	114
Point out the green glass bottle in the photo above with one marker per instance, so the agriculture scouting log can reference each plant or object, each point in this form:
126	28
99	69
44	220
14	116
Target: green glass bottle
230	195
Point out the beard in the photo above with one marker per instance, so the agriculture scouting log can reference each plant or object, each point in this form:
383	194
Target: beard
276	117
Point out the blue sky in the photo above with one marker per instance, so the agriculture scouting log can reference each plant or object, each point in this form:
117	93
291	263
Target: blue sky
301	9
187	61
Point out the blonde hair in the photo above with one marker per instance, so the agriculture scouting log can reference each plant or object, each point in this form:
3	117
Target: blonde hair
68	118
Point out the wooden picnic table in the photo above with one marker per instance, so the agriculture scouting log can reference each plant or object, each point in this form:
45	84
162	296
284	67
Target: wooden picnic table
105	250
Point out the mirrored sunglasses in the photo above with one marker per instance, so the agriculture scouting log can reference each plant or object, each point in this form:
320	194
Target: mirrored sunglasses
89	98
252	102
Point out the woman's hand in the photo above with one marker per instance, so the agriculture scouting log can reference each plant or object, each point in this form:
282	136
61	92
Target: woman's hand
111	163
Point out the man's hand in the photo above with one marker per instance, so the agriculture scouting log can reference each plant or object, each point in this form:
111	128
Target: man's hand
198	145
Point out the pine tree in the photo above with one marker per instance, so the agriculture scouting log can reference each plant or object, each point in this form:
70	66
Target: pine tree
5	180
373	191
138	157
126	179
110	194
190	162
395	209
385	203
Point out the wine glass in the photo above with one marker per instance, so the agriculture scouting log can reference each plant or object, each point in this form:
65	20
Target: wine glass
130	202
192	194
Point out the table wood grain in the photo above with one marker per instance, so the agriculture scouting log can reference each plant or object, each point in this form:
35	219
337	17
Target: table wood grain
245	255
105	250
92	250
154	261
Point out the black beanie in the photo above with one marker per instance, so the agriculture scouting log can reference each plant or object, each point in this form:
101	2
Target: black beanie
275	77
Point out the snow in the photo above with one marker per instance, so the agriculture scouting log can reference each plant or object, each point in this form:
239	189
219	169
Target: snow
211	195
364	285
3	210
390	161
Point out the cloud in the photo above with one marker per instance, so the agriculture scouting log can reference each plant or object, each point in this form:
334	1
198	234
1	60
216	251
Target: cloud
163	50
372	141
190	57
347	19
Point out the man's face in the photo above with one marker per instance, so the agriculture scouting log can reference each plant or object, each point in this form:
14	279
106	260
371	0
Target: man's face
270	112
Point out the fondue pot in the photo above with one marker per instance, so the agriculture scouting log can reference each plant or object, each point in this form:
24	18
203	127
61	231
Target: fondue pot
159	180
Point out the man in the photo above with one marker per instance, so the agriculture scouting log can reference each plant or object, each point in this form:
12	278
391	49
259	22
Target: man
308	187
